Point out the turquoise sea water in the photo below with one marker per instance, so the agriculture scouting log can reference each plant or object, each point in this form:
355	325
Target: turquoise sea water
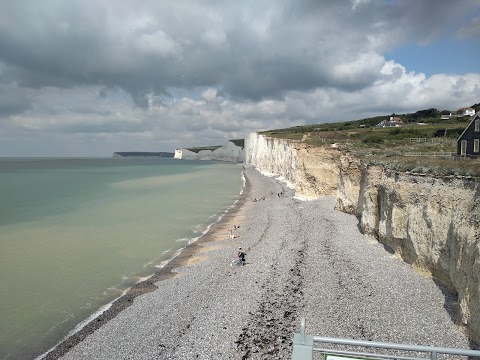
76	233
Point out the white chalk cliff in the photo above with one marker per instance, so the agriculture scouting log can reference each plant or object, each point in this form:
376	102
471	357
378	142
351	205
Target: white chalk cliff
228	152
433	223
312	172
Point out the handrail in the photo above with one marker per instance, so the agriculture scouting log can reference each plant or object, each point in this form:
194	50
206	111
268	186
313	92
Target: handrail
303	348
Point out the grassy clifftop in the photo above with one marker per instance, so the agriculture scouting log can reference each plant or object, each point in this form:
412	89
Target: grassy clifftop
424	144
237	142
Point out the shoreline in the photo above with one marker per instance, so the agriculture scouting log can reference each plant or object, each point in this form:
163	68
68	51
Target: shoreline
185	256
304	260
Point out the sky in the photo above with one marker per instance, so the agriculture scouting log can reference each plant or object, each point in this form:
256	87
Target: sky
91	77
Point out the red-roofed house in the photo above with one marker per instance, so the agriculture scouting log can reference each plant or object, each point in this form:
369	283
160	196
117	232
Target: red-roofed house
467	111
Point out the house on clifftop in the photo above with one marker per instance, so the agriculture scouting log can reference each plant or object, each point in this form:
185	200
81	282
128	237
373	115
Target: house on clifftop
466	111
393	122
468	143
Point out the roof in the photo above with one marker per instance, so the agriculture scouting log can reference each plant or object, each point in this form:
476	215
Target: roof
387	123
472	119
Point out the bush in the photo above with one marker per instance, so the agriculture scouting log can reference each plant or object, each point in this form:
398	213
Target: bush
373	139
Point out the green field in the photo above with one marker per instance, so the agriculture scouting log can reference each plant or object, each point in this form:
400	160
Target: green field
422	145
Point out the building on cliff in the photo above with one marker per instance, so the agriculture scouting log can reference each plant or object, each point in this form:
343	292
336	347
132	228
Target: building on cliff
466	111
393	122
468	143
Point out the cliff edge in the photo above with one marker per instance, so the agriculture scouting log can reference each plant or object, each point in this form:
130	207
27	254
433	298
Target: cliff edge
432	223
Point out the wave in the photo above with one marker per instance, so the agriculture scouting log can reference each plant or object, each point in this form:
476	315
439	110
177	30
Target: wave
218	217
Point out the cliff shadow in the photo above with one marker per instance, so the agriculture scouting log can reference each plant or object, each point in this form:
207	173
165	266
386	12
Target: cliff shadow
388	249
473	346
450	300
451	305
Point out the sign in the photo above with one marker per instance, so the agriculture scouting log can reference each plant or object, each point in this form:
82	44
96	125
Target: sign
343	357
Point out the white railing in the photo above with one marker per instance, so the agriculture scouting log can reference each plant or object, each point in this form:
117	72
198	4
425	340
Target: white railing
303	349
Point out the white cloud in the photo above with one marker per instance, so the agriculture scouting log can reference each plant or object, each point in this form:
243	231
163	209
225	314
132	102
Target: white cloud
356	3
156	75
362	68
210	95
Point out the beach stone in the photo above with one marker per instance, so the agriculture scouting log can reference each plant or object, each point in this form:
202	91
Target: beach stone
304	259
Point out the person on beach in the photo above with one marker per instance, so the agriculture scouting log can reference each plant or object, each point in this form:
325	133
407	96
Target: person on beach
241	256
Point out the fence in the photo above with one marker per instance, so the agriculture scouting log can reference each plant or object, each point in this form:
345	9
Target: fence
303	349
433	140
432	154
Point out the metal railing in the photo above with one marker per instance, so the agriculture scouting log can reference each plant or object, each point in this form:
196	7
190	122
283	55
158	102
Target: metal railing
303	348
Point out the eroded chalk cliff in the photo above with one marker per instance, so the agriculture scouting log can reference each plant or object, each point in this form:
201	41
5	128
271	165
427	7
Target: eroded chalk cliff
433	223
311	171
228	152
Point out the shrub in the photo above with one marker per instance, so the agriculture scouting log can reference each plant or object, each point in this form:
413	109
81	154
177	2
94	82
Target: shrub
373	139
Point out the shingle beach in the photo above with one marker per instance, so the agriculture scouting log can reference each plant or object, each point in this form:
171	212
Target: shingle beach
304	259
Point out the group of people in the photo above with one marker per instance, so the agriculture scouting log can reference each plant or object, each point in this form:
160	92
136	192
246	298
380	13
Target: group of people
231	232
281	194
240	253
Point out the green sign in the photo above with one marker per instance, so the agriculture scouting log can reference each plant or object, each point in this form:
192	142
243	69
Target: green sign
343	357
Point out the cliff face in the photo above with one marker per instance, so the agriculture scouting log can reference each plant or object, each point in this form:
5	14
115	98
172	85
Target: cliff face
228	152
432	223
312	172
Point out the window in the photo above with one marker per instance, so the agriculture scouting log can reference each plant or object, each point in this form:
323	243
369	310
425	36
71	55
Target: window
463	147
476	144
477	125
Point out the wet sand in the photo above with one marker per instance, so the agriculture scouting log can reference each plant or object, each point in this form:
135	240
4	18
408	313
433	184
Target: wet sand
188	256
304	259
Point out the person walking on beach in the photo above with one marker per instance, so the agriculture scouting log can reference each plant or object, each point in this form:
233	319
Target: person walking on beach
241	256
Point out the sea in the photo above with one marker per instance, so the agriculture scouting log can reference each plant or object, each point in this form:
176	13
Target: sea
76	233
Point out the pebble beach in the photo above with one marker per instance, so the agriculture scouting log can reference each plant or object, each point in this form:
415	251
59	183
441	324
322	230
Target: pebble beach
304	260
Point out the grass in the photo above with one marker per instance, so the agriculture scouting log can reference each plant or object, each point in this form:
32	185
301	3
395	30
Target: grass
431	166
425	148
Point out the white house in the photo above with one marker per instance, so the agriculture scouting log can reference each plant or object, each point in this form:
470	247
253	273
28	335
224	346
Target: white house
393	122
467	111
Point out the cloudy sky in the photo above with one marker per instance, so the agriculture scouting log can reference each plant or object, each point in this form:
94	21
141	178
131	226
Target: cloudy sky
90	77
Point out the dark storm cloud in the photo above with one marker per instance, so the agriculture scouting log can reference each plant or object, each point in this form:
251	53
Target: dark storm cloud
254	50
104	127
425	21
109	74
253	54
13	101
